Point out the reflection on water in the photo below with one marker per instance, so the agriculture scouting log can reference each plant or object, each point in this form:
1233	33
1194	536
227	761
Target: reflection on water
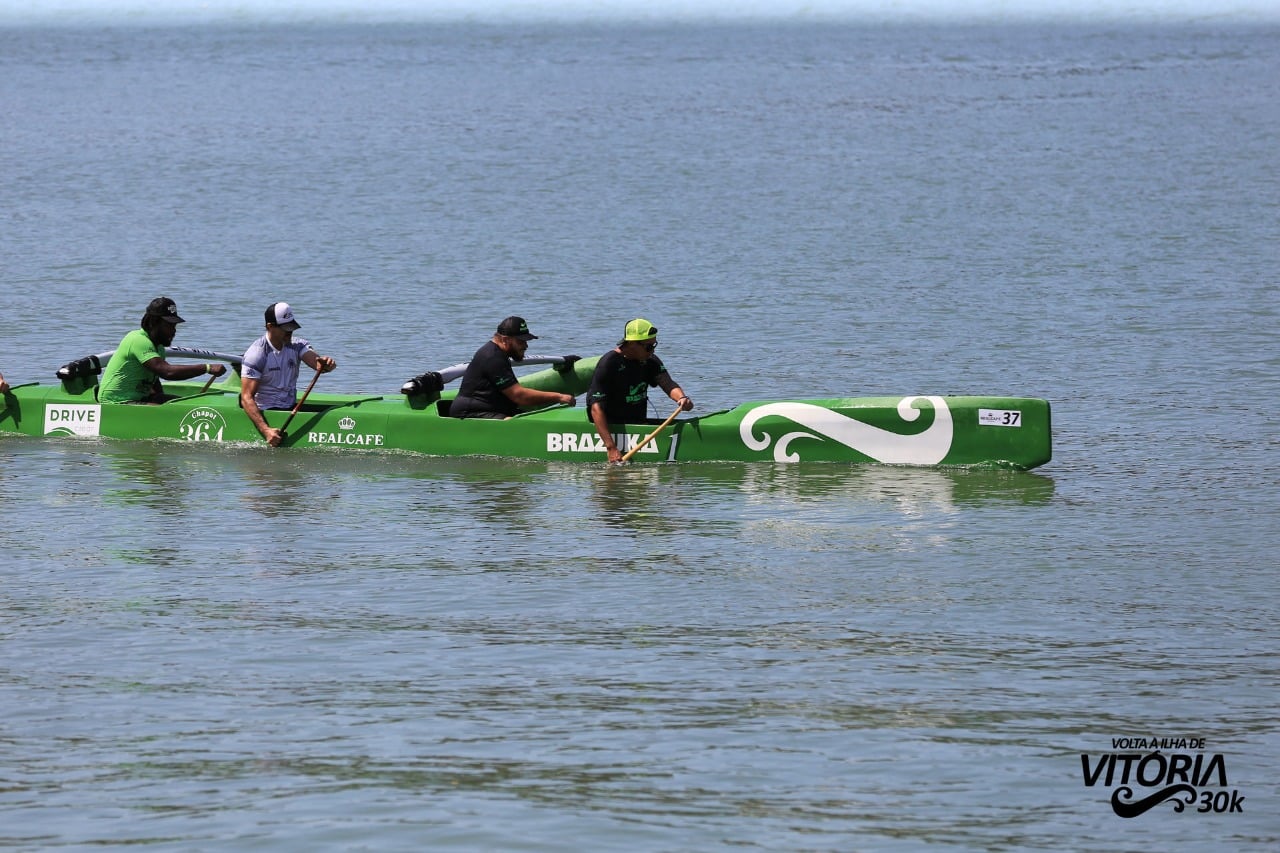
630	497
842	509
909	489
145	491
145	474
647	499
485	496
156	503
146	497
502	492
275	485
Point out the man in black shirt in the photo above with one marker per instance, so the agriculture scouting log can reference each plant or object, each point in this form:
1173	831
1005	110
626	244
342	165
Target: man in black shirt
619	392
489	387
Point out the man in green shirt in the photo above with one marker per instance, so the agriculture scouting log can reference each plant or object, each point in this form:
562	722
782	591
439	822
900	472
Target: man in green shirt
136	367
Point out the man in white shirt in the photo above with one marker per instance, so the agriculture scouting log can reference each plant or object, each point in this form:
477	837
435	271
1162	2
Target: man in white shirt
269	372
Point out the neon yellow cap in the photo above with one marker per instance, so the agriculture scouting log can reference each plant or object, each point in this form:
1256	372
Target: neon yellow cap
640	330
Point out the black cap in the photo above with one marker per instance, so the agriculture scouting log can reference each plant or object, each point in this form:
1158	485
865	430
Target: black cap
516	327
164	308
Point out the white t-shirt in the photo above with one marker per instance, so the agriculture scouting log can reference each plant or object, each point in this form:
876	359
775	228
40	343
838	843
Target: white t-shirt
276	371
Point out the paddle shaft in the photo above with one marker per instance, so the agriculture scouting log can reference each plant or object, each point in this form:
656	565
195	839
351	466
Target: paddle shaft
301	400
651	436
207	383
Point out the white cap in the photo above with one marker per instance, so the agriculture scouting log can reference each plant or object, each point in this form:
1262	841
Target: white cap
281	314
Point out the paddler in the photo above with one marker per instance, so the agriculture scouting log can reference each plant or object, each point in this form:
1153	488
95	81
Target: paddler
490	389
619	391
269	370
136	367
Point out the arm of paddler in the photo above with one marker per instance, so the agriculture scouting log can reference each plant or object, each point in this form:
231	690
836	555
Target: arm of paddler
529	398
249	387
602	429
315	361
675	392
174	372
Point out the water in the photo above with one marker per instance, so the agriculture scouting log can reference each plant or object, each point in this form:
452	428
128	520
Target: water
234	648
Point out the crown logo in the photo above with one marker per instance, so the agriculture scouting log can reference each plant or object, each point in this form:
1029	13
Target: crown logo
347	423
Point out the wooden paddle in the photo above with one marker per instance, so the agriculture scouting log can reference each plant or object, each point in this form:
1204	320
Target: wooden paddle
651	436
283	430
208	382
212	376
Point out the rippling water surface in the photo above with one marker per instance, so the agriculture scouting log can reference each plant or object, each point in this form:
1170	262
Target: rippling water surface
235	648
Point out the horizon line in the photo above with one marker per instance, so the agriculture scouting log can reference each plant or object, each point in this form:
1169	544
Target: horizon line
148	12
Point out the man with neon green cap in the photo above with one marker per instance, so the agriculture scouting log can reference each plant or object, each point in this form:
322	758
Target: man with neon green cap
619	392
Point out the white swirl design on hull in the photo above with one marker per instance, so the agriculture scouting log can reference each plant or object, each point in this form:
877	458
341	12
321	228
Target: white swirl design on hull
927	448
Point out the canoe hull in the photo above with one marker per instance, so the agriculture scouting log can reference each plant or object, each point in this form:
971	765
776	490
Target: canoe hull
1013	432
1006	431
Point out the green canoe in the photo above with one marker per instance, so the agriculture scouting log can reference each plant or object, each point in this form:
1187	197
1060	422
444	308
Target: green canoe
1012	432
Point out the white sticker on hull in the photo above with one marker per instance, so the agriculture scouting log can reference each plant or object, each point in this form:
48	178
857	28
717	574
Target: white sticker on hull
999	417
927	448
72	419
